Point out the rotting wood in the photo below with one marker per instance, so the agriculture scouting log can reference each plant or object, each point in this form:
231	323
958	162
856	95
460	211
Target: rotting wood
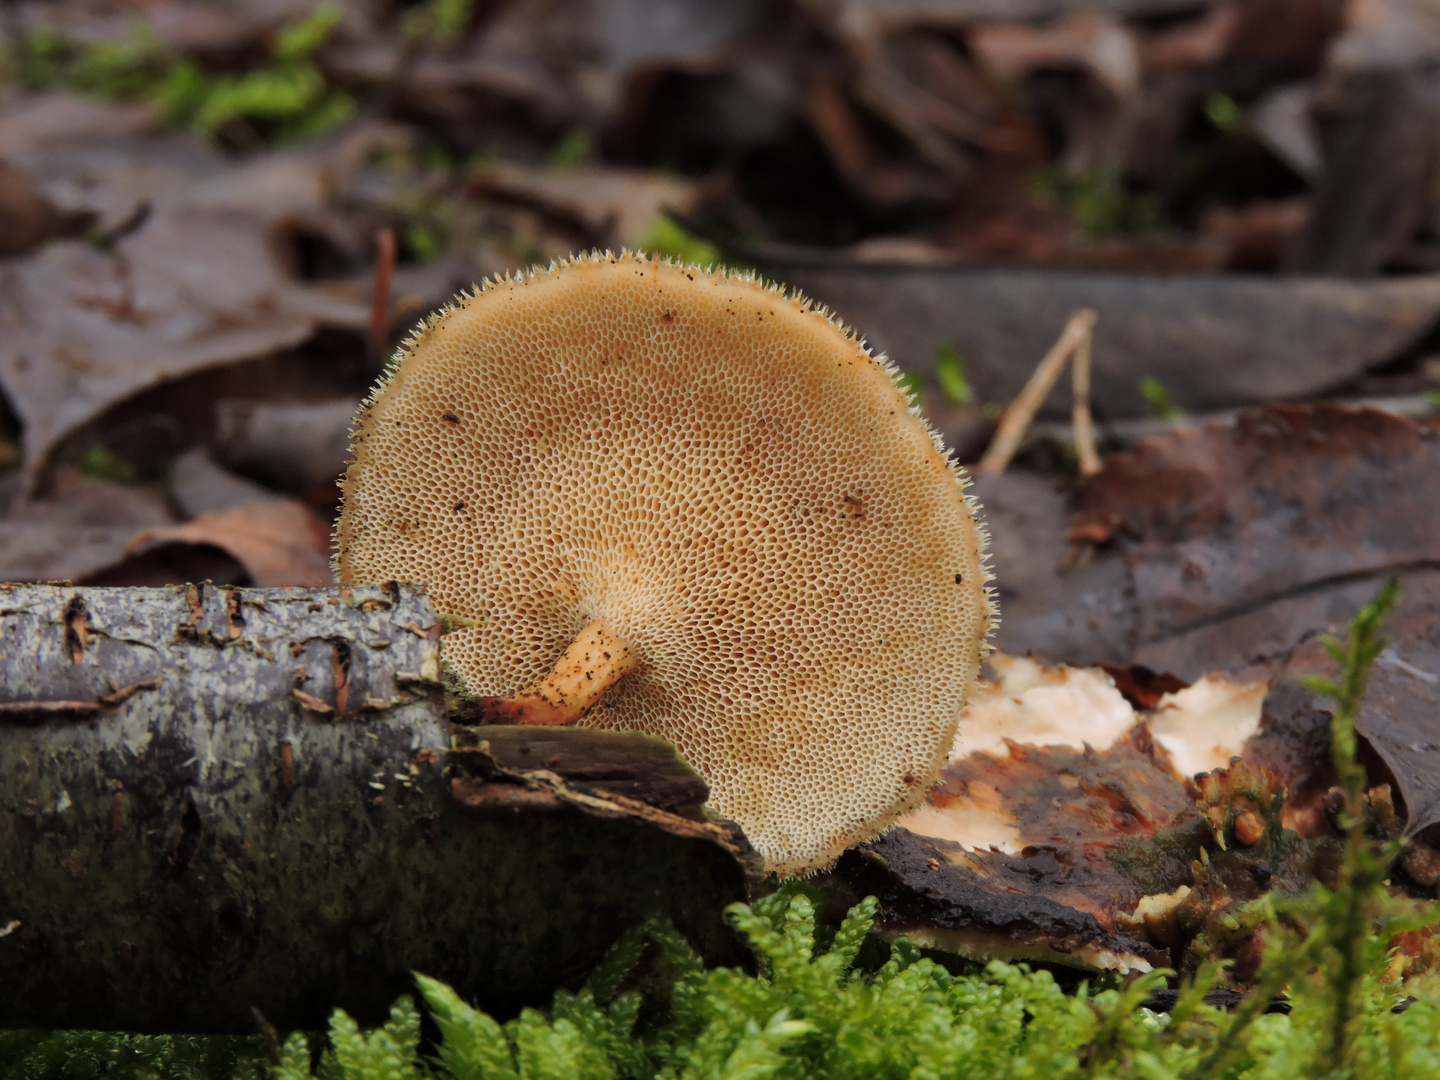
215	799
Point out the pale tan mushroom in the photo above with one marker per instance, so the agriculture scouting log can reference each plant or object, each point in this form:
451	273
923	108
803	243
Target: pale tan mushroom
682	502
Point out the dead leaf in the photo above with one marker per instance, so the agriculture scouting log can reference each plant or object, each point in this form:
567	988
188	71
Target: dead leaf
1213	342
290	445
1194	43
40	120
80	500
81	529
279	542
1376	188
200	486
1257	236
27	218
868	16
1027	724
1401	719
986	906
570	60
1283	121
616	206
44	551
195	277
1387	34
86	329
1086	40
1054	604
1220	523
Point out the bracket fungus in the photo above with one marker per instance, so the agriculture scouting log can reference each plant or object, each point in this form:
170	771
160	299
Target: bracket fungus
683	502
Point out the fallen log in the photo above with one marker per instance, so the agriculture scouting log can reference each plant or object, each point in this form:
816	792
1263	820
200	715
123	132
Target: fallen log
218	800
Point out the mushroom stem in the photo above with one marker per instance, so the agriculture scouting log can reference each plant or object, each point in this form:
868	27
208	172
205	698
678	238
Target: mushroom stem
593	663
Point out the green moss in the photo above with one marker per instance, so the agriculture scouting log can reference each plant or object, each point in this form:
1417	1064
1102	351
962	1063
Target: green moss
808	1013
83	1055
99	462
1161	863
285	98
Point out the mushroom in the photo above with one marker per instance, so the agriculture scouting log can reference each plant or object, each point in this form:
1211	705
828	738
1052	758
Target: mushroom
680	501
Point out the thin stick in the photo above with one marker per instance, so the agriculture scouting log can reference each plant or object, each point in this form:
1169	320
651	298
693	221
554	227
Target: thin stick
1080	419
379	336
1022	410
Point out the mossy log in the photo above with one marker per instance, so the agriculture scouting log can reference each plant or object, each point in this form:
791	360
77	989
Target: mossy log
216	800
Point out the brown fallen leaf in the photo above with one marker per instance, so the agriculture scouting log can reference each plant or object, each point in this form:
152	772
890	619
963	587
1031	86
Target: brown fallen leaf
1080	715
195	277
91	328
1054	605
86	328
1235	537
279	542
982	905
80	529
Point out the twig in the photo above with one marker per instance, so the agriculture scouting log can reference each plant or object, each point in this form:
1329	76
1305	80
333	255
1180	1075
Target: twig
1080	420
379	336
1022	410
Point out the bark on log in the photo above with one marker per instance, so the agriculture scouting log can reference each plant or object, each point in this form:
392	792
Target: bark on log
213	800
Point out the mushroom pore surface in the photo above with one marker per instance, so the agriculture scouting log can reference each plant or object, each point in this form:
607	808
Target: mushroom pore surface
715	477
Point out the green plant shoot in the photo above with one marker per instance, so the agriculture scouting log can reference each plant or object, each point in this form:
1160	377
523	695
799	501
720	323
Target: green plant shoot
1162	406
950	373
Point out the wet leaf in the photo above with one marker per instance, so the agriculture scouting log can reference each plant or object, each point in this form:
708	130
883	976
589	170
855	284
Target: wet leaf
1213	342
81	529
86	328
1056	603
1240	539
279	542
1401	720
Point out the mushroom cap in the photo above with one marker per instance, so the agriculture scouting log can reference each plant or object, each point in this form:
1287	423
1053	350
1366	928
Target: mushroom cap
728	479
